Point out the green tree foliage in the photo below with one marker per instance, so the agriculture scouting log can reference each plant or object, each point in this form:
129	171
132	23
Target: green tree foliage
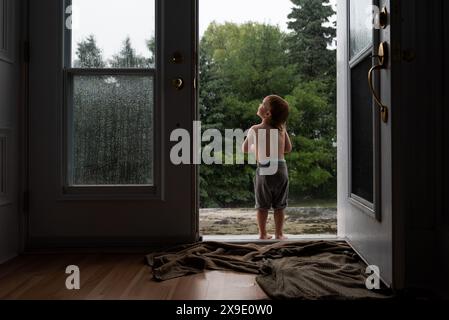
312	34
310	169
312	124
127	58
151	45
89	55
312	114
238	54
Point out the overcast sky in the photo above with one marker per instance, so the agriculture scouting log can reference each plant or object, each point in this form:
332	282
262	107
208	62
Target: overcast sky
111	21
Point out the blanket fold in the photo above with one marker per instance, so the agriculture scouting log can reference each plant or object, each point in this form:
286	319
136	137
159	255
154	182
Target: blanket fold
286	270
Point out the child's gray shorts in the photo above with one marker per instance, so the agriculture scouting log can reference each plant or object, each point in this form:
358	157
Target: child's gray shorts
271	191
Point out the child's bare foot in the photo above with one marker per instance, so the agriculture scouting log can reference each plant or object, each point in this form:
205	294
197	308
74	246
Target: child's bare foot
281	238
265	237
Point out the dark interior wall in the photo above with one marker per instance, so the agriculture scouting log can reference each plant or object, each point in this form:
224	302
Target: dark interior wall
421	144
445	109
443	232
9	127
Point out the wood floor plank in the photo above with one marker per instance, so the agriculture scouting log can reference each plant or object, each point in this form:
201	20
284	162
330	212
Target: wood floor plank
115	276
52	278
193	287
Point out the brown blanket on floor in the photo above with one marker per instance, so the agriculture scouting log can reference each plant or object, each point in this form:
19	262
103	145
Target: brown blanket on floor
286	270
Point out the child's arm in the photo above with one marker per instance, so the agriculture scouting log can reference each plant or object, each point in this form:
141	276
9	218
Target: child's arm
288	143
248	144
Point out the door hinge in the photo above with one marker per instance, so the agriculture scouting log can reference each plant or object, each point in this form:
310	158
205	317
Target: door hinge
26	201
26	52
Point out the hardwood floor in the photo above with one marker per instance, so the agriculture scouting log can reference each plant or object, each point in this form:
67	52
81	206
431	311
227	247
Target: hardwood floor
115	276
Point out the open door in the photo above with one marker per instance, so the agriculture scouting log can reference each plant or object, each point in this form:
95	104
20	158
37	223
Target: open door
109	81
364	130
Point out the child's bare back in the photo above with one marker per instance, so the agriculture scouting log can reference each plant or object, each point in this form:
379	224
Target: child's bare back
263	147
271	191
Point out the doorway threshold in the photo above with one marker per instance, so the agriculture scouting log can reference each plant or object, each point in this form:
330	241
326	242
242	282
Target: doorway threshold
255	239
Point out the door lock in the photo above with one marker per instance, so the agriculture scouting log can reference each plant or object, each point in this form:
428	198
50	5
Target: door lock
383	18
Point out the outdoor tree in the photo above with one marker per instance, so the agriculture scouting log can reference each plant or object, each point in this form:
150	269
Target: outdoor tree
151	45
314	32
127	58
88	54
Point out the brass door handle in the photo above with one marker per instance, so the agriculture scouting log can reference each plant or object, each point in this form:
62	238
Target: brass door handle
178	83
382	57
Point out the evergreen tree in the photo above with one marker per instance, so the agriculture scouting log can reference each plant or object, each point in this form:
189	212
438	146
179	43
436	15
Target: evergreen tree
151	45
88	54
127	58
312	34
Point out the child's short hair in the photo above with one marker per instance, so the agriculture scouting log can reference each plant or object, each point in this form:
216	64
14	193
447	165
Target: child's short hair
279	110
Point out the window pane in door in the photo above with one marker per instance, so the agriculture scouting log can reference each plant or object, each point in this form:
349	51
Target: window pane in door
362	149
111	138
111	33
361	26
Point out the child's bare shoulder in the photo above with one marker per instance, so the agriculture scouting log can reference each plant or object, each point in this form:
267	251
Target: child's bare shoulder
255	127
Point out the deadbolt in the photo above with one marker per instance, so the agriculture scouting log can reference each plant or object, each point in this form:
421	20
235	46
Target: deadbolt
383	18
178	83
